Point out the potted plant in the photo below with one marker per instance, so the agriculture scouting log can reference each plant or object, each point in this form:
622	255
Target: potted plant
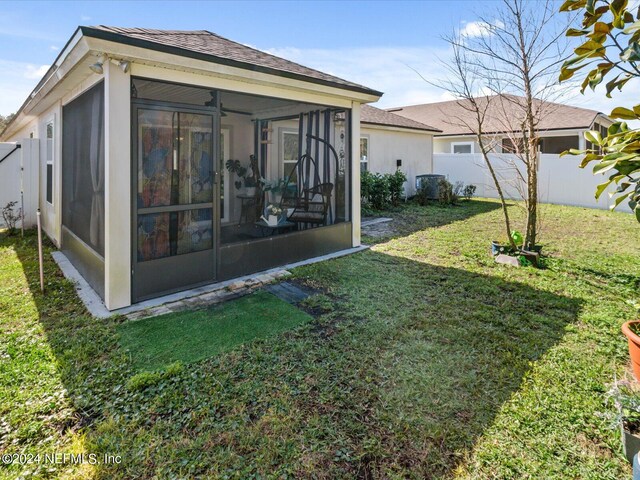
275	189
273	213
249	177
631	330
514	253
627	417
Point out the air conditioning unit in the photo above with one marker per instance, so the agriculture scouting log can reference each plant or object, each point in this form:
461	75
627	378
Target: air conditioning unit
430	183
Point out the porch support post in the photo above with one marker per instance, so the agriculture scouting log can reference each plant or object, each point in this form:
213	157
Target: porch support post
117	187
355	173
582	144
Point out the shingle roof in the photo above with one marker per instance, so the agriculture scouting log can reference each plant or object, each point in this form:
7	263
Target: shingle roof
209	46
376	116
502	115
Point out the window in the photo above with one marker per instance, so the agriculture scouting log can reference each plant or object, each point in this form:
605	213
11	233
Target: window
49	162
557	145
462	147
290	155
364	154
512	145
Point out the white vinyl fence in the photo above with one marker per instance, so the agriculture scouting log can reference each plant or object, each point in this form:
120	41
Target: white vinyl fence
19	174
560	180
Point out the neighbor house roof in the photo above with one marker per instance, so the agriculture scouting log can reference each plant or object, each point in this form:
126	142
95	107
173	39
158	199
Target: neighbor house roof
376	116
208	46
502	115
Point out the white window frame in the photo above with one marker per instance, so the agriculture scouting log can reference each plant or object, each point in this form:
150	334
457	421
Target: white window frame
368	156
50	160
283	132
455	144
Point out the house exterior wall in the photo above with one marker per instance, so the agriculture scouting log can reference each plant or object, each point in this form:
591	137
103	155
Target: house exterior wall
51	214
445	144
387	145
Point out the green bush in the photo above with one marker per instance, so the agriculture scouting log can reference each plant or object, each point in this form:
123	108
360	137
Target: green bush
447	194
421	195
468	192
396	186
379	191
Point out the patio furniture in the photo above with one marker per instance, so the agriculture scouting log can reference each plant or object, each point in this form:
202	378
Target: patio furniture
313	205
246	202
311	196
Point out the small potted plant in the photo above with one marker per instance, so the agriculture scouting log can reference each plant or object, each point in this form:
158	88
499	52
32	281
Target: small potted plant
273	213
514	252
275	189
627	417
631	330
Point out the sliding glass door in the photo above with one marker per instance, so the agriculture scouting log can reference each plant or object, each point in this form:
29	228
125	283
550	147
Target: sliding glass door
174	186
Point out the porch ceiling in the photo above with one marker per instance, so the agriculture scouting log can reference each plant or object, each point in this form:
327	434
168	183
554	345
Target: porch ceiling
257	106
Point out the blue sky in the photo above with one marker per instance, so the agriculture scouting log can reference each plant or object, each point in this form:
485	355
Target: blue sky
376	43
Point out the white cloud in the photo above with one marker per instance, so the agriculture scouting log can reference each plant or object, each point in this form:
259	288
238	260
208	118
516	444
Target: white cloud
598	101
34	72
85	18
54	48
15	85
391	70
479	28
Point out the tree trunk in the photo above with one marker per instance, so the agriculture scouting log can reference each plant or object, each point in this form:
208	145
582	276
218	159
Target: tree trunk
531	153
496	182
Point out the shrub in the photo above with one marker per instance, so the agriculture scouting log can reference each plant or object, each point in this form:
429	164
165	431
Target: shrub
10	217
468	191
396	186
366	184
380	191
447	194
422	196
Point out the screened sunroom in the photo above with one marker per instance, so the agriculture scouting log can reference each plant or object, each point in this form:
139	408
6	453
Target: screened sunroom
230	183
176	159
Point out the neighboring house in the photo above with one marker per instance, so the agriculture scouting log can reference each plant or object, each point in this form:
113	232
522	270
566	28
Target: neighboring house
389	142
134	127
561	127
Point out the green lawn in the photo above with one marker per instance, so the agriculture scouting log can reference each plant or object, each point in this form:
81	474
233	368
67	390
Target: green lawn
425	360
155	343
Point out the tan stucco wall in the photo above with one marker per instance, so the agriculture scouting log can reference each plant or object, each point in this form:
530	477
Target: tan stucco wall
386	146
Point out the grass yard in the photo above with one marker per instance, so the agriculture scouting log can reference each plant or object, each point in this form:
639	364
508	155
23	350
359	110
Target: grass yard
186	337
424	360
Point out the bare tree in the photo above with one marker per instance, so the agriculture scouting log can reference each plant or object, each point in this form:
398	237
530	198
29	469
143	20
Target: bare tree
463	81
514	54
